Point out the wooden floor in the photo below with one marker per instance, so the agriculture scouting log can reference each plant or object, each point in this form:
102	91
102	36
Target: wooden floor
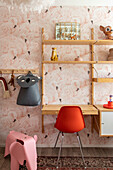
88	152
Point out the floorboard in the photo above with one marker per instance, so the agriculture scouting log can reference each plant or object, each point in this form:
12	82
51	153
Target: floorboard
88	152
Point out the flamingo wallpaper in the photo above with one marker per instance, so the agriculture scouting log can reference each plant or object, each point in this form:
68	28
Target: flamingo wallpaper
20	48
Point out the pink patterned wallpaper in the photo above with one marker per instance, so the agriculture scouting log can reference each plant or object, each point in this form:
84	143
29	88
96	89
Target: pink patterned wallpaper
20	47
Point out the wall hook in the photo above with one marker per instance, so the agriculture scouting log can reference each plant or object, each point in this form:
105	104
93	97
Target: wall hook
11	81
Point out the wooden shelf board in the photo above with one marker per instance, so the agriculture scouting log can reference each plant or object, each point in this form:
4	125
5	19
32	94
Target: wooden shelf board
102	109
54	109
69	42
77	62
104	42
78	42
69	62
18	71
103	80
104	62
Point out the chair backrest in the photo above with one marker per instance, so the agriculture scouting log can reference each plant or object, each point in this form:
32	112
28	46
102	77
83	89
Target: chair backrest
70	119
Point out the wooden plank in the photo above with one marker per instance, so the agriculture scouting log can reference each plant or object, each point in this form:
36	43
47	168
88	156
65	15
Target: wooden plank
104	42
92	75
42	78
96	124
69	62
78	42
92	68
102	109
18	71
77	62
42	84
42	67
103	80
69	42
104	62
54	109
42	123
42	44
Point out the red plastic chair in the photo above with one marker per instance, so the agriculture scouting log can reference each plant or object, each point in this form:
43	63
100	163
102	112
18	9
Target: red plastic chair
70	120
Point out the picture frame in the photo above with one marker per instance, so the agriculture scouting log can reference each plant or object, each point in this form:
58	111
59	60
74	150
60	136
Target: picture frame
67	31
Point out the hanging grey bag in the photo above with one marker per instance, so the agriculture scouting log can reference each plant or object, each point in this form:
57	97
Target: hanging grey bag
29	92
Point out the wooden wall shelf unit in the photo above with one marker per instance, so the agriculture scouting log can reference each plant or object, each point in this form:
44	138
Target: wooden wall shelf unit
87	109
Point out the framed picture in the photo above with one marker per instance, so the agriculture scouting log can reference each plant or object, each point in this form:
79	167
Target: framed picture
68	31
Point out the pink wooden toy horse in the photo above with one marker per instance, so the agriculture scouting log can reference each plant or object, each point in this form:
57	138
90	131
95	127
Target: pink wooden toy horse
21	147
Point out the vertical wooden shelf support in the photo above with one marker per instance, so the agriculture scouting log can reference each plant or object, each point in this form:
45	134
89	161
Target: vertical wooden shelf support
42	78
92	76
92	67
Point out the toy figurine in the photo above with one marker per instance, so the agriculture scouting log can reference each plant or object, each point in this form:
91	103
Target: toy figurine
73	37
5	87
21	147
78	58
54	56
108	31
110	103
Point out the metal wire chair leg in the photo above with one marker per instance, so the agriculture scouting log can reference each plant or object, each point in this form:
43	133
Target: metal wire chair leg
60	149
57	139
80	144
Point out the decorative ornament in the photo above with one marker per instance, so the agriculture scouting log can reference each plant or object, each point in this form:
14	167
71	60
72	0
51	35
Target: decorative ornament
54	56
78	58
12	80
110	103
108	31
29	92
5	87
27	5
